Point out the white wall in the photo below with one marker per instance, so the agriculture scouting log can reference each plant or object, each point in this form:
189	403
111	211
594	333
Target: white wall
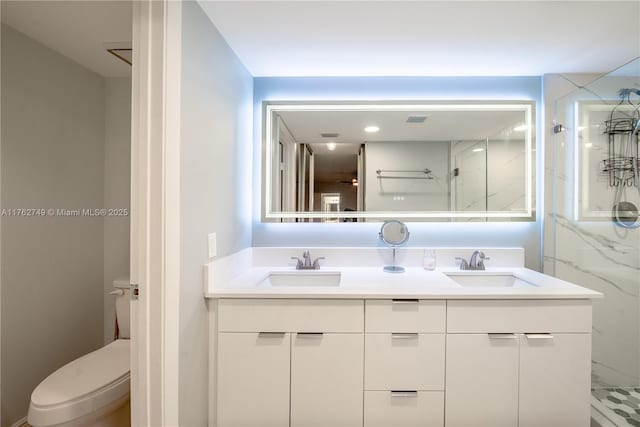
216	109
117	190
53	124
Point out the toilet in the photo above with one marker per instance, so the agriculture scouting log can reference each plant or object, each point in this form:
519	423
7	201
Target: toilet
93	390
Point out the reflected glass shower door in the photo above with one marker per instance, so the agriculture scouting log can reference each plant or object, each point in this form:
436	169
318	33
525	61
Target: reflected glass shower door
470	175
585	245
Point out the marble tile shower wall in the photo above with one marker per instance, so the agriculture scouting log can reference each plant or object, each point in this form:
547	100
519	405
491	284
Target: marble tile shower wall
582	244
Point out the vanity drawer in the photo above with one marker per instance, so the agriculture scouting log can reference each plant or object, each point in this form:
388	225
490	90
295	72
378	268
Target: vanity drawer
404	361
290	315
508	316
403	409
402	315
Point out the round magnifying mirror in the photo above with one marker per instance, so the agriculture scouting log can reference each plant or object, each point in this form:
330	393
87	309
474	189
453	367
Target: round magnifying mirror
394	233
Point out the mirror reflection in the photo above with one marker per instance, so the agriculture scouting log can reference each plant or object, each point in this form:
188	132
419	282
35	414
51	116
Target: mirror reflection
343	163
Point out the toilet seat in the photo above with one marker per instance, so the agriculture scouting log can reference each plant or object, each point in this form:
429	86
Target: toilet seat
83	386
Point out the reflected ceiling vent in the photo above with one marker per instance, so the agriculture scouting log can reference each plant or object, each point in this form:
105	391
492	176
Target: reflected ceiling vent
416	119
329	134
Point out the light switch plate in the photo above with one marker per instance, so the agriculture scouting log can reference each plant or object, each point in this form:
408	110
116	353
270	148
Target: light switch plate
213	250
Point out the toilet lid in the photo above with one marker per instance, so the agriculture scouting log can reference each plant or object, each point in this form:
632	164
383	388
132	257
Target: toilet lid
82	386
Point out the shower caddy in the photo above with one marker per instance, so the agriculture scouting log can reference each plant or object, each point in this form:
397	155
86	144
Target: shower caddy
622	132
623	163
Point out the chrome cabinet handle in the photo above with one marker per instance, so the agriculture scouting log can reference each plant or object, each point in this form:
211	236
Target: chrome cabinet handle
271	334
404	301
539	336
404	393
502	336
403	336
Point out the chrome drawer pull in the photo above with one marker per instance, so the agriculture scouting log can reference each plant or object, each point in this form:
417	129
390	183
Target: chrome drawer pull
404	301
404	393
502	336
539	336
397	336
271	334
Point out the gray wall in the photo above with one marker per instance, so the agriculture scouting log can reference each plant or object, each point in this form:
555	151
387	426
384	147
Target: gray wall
53	124
117	190
407	194
216	106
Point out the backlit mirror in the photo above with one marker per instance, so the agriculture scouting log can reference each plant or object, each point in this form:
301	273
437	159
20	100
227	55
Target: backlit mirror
348	162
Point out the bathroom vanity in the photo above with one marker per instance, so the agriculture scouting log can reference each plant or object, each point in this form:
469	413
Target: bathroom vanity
503	347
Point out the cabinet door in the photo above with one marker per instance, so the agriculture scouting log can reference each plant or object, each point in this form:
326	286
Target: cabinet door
555	380
253	379
481	380
327	380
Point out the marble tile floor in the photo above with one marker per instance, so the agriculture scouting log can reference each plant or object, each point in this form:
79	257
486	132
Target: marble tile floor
615	407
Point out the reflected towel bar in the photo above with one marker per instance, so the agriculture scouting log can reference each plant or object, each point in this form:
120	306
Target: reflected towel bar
427	172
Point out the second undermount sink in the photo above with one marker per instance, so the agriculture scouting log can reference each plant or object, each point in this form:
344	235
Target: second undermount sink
300	278
490	280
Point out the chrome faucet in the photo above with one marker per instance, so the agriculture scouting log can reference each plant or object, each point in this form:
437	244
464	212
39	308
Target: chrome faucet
307	264
475	263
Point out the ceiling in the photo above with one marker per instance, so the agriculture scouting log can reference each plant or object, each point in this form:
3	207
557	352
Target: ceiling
428	38
79	30
366	38
307	126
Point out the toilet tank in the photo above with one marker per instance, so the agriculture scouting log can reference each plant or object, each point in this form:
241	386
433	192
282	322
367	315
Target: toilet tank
122	306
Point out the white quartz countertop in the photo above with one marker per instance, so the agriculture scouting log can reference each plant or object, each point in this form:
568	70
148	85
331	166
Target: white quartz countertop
414	283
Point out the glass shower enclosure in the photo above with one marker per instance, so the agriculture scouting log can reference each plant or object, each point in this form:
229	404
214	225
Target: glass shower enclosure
592	229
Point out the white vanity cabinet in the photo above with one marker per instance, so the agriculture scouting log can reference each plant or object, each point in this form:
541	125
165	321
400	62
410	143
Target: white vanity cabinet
285	362
400	363
518	363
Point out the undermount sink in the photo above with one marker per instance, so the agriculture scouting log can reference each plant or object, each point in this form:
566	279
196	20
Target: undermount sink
303	278
489	280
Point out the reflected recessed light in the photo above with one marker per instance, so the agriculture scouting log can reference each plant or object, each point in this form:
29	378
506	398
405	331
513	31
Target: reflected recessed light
477	150
589	144
521	128
331	146
371	129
